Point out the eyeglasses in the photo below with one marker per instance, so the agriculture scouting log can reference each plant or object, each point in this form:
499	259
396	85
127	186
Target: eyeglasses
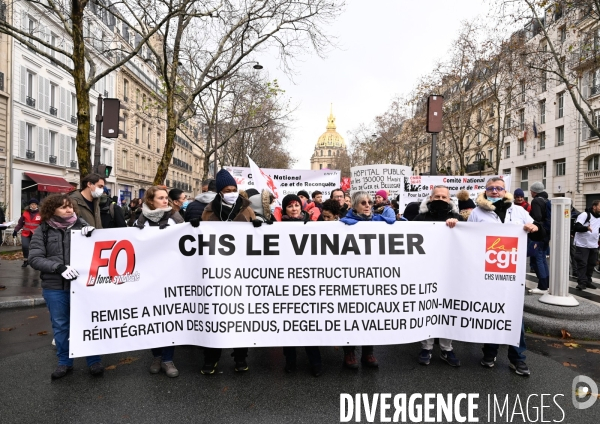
491	189
366	202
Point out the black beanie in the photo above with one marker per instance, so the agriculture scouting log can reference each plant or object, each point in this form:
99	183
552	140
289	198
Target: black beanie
289	199
251	192
224	179
303	193
466	204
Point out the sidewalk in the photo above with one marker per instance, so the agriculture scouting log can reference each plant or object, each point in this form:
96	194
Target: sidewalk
23	285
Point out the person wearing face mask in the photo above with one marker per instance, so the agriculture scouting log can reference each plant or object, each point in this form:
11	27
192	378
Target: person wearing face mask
439	207
227	206
29	222
157	211
50	254
495	205
180	201
88	199
362	211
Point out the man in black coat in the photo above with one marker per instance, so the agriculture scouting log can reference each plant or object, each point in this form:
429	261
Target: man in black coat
196	208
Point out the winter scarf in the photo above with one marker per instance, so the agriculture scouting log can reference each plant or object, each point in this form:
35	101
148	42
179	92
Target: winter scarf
62	223
154	215
224	211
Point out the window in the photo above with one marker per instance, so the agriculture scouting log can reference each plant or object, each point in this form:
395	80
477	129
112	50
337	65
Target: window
125	89
508	123
506	171
507	151
73	149
544	81
560	136
543	111
562	34
522	120
561	104
542	136
593	163
561	166
125	126
522	94
136	166
53	41
491	132
29	139
524	179
329	153
137	138
521	147
124	159
73	106
544	175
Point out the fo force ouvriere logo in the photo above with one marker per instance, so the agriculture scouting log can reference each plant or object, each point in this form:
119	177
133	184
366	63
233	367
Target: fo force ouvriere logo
103	269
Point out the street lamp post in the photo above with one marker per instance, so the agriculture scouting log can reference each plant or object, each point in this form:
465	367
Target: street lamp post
480	157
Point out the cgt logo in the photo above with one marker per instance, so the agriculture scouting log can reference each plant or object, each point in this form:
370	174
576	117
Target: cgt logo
501	254
98	261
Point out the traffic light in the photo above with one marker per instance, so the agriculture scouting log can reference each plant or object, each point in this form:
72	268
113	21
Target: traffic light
104	170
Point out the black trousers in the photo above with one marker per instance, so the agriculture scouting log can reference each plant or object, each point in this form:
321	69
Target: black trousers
313	353
586	261
212	355
573	257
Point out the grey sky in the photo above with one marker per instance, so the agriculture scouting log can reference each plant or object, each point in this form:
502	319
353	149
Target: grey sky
385	45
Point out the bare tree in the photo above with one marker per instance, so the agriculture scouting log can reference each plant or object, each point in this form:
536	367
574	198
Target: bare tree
210	41
87	36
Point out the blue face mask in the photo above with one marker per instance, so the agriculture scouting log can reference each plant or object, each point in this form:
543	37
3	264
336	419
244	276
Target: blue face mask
185	204
494	199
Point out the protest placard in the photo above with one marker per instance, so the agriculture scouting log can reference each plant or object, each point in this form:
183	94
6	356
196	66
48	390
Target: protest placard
372	178
290	181
418	187
323	283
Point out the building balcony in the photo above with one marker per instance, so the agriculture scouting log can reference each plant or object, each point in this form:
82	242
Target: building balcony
52	159
589	176
30	154
73	120
29	101
74	164
53	111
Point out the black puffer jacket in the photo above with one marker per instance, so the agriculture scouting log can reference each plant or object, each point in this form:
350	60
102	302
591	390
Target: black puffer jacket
49	255
425	213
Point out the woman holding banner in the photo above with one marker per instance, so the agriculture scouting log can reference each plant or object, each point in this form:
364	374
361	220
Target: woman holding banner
227	206
157	211
362	211
50	253
292	212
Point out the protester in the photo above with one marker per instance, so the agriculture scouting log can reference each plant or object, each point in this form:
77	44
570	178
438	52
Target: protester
261	204
303	195
331	210
50	254
465	204
157	211
538	212
572	248
126	210
29	222
381	201
338	195
88	199
196	208
227	206
3	227
317	198
362	211
347	200
439	207
136	210
520	200
495	206
411	211
205	184
292	212
110	214
587	227
179	200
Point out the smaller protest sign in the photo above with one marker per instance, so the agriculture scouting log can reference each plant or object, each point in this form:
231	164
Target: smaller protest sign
372	178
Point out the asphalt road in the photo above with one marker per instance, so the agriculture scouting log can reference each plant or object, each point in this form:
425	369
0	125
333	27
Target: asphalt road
127	393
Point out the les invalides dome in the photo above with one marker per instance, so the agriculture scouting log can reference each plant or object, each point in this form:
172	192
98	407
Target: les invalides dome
329	146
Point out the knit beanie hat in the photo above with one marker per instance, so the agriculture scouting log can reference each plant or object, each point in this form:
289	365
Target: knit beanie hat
224	179
537	187
251	192
464	200
289	199
382	193
303	193
33	201
519	193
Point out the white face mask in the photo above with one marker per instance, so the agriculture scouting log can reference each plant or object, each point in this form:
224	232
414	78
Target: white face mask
230	198
97	192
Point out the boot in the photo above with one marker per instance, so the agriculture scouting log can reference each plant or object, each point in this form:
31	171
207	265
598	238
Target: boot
25	263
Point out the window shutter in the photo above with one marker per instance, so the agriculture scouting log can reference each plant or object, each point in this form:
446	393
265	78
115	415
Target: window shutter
63	104
111	83
40	99
36	142
24	21
23	84
46	145
68	102
68	152
47	94
22	138
110	158
61	150
73	97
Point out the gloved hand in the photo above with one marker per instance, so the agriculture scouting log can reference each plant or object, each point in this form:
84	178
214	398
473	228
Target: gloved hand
14	234
163	226
257	223
270	222
67	272
87	231
195	222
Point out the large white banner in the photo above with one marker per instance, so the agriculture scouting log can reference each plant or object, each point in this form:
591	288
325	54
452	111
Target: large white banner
323	283
418	187
286	181
373	178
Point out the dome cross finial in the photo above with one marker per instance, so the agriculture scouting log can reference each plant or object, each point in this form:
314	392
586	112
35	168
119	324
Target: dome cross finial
331	119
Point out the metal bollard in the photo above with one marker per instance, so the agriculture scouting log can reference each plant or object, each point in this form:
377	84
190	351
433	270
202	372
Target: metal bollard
560	237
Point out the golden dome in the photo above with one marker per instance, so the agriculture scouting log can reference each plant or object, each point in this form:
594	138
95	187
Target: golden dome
331	137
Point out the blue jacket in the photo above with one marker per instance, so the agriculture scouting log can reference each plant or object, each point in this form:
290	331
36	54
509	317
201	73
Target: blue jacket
388	216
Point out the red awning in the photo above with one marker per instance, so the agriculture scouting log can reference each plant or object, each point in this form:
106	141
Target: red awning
50	183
